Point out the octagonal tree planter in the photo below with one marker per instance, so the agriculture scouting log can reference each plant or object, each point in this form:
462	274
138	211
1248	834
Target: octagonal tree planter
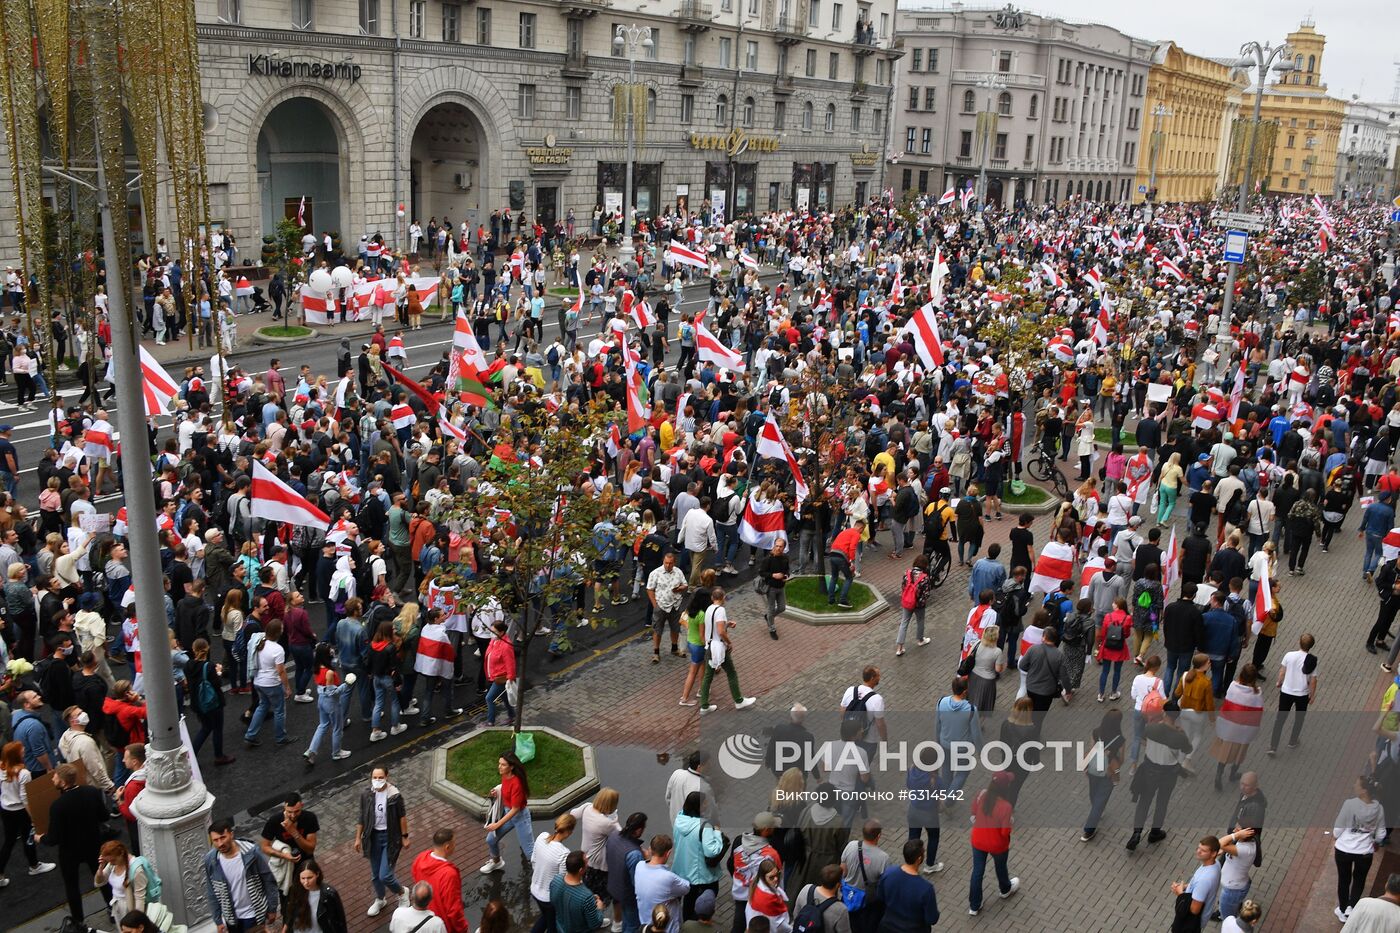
572	776
807	604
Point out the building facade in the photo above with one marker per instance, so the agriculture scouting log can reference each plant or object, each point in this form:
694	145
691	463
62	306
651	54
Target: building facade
457	109
1058	107
1366	156
1308	122
1191	104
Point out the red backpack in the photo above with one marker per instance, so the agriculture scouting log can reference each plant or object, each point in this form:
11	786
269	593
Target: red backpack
915	591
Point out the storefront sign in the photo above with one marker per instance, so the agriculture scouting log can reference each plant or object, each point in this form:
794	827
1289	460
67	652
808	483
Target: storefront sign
271	67
865	157
549	154
734	143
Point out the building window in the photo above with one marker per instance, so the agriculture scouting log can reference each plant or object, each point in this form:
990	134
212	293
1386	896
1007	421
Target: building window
779	114
722	110
1133	118
687	108
916	60
651	106
1034	109
725	49
1004	62
933	59
525	102
877	121
1288	165
369	17
573	103
811	67
833	65
527	30
926	141
748	111
908	179
855	119
303	16
1129	154
969	101
913	98
753	7
836	16
451	17
965	144
880	67
807	116
1292	138
688	50
814	13
1312	63
923	182
910	134
1004	104
1283	182
751	56
782	59
830	118
929	98
655	49
231	11
999	147
573	37
483	25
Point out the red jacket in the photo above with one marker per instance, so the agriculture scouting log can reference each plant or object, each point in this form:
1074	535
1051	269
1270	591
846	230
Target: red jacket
132	717
991	832
133	786
447	889
500	659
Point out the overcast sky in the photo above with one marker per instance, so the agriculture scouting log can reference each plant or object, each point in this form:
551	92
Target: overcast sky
1361	47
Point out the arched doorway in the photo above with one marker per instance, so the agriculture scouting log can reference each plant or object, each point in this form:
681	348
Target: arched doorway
299	156
994	189
447	166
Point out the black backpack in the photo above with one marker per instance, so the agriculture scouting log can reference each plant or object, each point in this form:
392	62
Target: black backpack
811	919
855	710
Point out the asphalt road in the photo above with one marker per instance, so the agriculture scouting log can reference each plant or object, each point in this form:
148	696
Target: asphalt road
262	776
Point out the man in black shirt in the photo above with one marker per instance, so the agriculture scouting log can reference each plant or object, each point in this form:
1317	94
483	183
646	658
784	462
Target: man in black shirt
77	820
293	826
1182	633
1148	554
1195	555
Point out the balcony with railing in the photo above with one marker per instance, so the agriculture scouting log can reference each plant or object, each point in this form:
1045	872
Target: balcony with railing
691	76
860	90
581	8
695	15
575	65
784	85
864	43
789	30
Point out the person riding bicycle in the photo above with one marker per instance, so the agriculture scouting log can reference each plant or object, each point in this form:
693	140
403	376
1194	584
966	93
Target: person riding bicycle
939	519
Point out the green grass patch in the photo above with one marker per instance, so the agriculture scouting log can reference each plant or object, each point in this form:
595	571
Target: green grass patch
1032	495
1105	436
291	331
805	593
560	291
472	765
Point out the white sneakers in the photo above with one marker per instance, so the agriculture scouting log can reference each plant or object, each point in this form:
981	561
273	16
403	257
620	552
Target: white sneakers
375	907
341	755
303	698
42	868
378	735
399	729
412	710
933	869
746	702
1015	884
493	864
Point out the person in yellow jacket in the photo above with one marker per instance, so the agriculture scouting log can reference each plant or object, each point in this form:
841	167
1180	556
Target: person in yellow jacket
939	519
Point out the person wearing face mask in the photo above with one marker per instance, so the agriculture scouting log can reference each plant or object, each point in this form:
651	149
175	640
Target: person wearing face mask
75	744
380	834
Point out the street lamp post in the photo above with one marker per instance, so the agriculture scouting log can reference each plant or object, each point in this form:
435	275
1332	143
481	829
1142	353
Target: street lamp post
990	82
1158	112
1261	58
631	41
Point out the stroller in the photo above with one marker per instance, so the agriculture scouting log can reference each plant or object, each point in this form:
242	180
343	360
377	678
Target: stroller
260	302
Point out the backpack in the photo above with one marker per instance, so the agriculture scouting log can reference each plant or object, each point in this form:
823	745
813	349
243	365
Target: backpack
915	591
713	861
1234	510
1056	605
1115	635
810	918
206	698
551	355
152	879
116	734
855	710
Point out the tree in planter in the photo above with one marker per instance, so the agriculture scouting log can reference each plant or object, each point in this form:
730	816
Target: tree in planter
534	514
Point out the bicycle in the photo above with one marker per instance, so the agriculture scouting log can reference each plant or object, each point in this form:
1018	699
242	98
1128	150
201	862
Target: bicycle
938	572
1042	467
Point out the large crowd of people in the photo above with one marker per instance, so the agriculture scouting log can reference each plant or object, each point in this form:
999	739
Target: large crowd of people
879	378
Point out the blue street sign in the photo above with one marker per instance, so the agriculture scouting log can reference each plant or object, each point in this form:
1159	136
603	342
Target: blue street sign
1142	189
1235	242
1395	217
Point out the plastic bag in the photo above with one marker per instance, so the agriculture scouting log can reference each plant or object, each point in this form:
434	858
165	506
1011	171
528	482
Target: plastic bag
513	693
525	747
1018	488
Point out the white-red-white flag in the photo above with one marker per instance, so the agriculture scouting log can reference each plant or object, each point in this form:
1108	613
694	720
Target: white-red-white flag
274	500
949	197
157	387
763	523
679	254
771	443
922	327
1172	571
709	347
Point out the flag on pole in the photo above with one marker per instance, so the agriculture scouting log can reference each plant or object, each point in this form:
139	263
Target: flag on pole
763	523
1094	278
156	385
274	500
949	197
936	276
465	344
708	347
923	328
1172	571
614	445
636	410
429	400
771	443
747	260
1118	242
449	429
1052	277
301	212
1237	394
1170	268
1140	240
678	254
341	390
965	198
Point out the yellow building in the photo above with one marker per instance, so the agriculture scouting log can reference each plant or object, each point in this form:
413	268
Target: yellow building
1309	122
1190	105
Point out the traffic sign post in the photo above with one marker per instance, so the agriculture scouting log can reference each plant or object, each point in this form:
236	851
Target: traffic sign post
1232	220
1395	217
1235	243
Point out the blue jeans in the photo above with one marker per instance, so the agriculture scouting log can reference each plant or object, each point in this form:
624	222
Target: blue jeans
385	697
1103	674
1138	723
270	699
523	828
1100	789
840	567
631	920
1217	675
305	659
330	703
381	873
979	868
493	693
1178	663
727	537
1368	564
1231	899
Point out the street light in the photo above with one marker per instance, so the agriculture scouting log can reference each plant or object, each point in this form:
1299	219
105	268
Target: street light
631	41
1158	112
1261	58
991	82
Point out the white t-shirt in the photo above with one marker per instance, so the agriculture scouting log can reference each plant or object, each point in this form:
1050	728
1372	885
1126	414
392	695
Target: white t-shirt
548	865
237	885
381	810
265	664
1295	682
1234	874
1119	508
874	708
118	882
848	762
1142	686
